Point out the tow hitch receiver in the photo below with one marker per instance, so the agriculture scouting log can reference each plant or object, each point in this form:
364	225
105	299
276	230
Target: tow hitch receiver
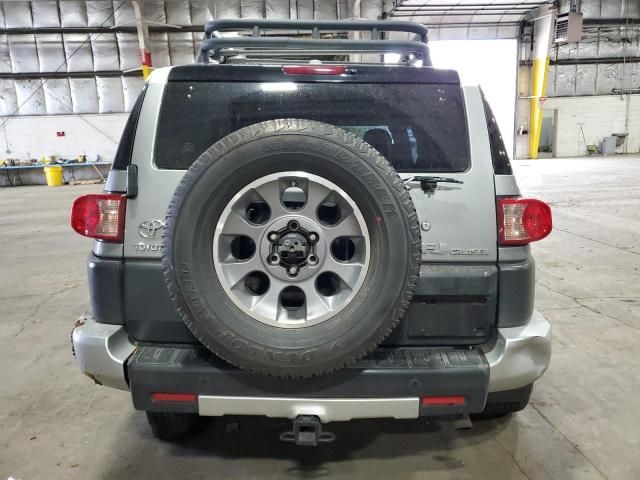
307	432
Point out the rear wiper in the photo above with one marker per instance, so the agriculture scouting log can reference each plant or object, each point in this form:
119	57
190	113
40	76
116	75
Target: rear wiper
429	184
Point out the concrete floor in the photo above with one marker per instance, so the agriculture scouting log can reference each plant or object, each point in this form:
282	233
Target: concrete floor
583	422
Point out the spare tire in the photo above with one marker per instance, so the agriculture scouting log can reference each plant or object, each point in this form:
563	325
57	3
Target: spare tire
291	248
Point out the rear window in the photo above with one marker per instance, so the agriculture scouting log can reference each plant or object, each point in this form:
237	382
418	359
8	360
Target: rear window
499	156
417	127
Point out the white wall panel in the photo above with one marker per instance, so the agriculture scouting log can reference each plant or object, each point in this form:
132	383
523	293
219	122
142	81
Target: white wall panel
105	52
565	84
17	14
80	137
73	13
129	51
8	99
609	77
201	12
178	12
181	48
77	50
326	10
57	96
277	9
24	55
99	13
153	10
371	8
305	9
45	14
110	96
124	14
30	97
5	55
599	116
225	9
252	8
50	52
586	79
159	46
131	88
84	95
111	52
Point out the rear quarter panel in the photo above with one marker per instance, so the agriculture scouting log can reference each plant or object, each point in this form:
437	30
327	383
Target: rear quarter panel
459	221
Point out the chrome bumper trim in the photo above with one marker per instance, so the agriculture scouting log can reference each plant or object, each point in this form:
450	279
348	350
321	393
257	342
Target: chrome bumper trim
520	355
101	351
326	409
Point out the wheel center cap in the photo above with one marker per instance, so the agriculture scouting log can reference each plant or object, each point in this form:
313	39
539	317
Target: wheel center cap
293	248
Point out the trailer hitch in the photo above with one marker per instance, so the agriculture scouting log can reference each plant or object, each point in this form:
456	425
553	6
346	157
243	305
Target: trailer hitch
307	432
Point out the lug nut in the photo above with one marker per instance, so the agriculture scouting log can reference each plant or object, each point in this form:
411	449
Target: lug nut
273	236
313	237
293	271
274	259
312	260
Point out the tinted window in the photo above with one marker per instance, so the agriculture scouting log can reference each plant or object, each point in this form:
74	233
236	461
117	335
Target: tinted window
499	155
125	147
418	128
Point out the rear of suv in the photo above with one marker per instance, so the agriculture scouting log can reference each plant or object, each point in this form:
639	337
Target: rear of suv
315	240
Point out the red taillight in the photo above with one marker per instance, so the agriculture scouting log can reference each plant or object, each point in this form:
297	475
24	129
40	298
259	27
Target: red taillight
160	397
442	401
314	69
99	216
522	220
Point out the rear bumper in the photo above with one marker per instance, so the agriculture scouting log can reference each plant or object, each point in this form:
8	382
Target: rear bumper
101	351
520	355
388	383
326	409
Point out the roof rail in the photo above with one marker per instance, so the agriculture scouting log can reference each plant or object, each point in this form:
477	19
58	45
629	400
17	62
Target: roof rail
217	46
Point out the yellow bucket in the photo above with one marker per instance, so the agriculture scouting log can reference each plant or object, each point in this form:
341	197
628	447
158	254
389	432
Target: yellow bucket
54	176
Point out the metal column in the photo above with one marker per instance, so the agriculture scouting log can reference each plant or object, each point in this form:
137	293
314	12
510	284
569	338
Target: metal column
143	38
544	25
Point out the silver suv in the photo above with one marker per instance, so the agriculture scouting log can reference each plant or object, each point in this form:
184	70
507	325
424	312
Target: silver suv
291	229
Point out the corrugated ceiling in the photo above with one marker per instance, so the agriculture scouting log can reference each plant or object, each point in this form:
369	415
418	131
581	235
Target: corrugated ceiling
471	16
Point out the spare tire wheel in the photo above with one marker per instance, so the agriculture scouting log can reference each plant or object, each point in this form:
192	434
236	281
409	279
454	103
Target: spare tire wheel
291	248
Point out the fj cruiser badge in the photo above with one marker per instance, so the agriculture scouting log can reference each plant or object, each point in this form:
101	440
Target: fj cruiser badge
443	249
150	228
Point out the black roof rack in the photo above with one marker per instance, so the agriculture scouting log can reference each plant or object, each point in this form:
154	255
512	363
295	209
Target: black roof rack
216	46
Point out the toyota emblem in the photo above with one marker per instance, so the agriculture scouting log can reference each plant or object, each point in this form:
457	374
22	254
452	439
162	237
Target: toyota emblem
150	228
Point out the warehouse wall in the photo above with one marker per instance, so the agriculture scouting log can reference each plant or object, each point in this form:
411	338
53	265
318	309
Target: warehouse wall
32	65
43	74
583	76
35	136
600	116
